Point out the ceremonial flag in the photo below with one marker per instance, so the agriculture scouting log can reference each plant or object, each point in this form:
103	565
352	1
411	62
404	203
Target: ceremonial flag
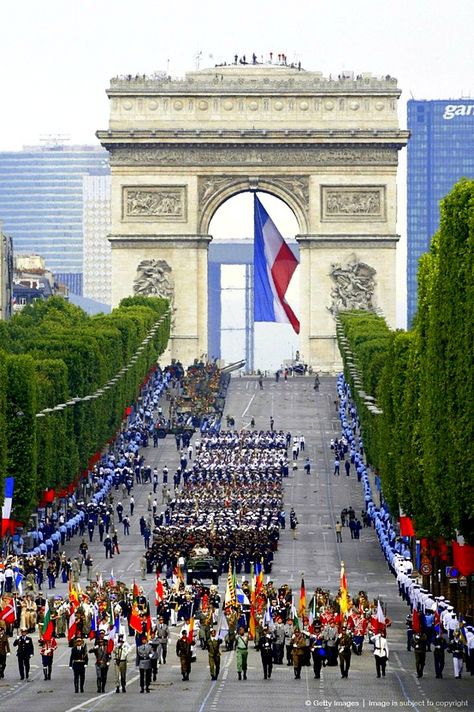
135	590
268	618
258	577
302	606
343	595
7	505
252	618
294	616
100	581
8	612
135	621
47	628
159	591
230	597
94	625
437	620
191	630
112	578
416	622
380	614
72	625
18	580
73	595
242	598
114	628
378	621
274	265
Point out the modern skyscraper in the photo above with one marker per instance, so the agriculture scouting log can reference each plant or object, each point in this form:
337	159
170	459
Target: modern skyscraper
41	203
97	251
440	152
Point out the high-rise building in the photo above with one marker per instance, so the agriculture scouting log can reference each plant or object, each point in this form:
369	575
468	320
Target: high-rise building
440	152
41	203
97	250
6	275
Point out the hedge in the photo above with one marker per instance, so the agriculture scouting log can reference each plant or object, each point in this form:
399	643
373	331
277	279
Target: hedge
53	353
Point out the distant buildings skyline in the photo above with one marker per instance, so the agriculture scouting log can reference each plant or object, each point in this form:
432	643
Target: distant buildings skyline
42	200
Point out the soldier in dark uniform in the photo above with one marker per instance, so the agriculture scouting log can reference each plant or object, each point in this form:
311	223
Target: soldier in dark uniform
439	646
213	647
183	651
266	652
419	646
344	645
102	659
78	661
25	651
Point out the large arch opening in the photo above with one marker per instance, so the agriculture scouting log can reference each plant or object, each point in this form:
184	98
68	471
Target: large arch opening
233	335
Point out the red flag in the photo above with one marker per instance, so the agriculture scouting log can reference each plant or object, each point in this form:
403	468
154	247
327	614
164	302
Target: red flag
135	591
72	625
159	591
8	612
135	620
416	622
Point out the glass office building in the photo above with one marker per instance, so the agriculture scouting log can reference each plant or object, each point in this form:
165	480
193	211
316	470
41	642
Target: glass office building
41	203
440	152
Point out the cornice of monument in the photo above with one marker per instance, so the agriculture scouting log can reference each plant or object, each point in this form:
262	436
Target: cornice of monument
223	136
262	79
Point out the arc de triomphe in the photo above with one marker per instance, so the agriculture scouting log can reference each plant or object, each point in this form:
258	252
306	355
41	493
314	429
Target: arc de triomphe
328	148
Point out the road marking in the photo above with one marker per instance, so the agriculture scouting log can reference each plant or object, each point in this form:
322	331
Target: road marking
249	404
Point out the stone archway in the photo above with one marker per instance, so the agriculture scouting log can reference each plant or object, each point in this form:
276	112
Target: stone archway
328	149
213	191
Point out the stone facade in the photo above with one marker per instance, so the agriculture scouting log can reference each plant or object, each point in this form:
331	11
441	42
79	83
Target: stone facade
329	149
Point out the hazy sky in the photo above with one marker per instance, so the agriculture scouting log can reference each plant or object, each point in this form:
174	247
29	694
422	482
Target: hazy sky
57	57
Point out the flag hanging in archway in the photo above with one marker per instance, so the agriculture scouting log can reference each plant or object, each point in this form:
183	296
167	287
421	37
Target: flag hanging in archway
274	265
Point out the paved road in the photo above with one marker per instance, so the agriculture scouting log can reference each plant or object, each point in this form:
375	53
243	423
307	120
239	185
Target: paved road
317	499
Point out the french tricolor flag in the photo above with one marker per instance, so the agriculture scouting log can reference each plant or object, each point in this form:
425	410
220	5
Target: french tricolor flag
274	264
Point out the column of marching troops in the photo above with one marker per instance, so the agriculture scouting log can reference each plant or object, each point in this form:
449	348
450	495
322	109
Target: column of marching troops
228	504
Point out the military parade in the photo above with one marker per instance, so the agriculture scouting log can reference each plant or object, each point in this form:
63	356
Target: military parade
226	506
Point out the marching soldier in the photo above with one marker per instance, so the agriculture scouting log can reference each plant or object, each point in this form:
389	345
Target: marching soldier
121	651
47	650
102	659
298	653
4	650
318	652
266	652
242	652
344	645
25	651
439	646
162	634
457	649
213	647
183	651
419	646
380	653
78	662
144	655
